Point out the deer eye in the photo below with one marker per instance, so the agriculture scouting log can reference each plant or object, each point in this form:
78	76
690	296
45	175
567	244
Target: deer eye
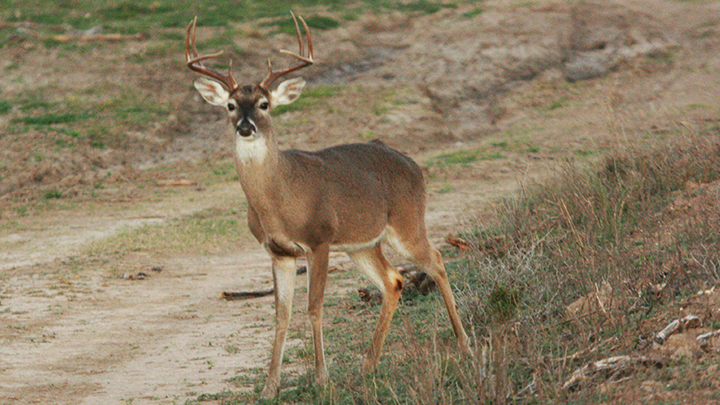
265	105
231	107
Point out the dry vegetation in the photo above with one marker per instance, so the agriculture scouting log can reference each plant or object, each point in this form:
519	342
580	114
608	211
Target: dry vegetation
572	145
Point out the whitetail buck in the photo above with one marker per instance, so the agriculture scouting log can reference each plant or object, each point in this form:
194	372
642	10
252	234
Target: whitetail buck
348	198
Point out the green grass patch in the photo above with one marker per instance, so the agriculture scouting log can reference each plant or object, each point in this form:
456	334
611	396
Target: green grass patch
133	10
473	13
556	105
151	16
286	25
424	6
311	97
5	106
463	157
52	194
209	231
52	118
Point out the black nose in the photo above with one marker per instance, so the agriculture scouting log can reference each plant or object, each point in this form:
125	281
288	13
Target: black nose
245	128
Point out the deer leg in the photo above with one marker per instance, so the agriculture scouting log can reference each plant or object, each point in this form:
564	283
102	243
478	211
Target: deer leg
317	277
437	271
430	260
284	280
372	262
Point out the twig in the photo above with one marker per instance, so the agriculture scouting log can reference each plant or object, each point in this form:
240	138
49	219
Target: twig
243	295
705	336
615	365
599	301
581	352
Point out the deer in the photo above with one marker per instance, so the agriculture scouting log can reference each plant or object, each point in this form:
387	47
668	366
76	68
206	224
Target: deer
351	198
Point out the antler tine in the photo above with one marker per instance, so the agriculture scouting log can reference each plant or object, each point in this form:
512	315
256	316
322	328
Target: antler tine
194	62
305	60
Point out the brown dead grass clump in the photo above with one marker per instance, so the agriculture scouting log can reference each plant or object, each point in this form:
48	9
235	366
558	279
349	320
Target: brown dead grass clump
597	258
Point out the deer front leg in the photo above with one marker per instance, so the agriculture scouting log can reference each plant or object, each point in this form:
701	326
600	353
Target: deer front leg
284	280
317	277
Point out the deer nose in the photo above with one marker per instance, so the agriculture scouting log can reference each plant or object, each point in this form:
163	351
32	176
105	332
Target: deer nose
246	128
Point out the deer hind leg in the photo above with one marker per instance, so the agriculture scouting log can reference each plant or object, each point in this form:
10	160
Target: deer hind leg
417	249
317	277
372	262
284	281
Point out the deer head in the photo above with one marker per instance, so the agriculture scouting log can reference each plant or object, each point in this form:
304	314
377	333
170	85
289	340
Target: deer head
248	106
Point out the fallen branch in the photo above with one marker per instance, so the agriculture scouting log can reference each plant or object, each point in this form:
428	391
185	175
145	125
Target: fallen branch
610	368
243	295
706	336
689	322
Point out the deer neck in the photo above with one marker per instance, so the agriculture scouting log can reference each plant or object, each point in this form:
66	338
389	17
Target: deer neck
260	170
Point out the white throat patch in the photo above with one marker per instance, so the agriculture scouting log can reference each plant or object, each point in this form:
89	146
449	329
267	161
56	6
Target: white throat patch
252	150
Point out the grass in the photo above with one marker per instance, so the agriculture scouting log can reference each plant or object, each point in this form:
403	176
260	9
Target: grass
148	16
5	106
315	22
312	97
463	157
210	231
51	119
85	114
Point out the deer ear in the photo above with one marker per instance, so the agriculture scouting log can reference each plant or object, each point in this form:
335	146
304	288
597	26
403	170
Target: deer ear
212	91
288	91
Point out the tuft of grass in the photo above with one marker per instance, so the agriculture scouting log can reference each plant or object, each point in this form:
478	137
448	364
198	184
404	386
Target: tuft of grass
424	6
463	157
556	104
132	10
286	25
51	119
473	13
53	194
502	303
458	157
5	106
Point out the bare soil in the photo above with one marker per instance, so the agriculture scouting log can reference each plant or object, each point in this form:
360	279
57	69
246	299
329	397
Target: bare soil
74	330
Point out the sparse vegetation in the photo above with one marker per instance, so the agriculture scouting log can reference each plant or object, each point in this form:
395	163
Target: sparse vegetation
464	157
209	231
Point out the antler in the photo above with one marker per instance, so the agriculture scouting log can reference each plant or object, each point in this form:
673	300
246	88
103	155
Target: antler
194	62
306	60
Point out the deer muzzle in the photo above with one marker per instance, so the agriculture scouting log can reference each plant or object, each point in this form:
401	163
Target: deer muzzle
246	128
